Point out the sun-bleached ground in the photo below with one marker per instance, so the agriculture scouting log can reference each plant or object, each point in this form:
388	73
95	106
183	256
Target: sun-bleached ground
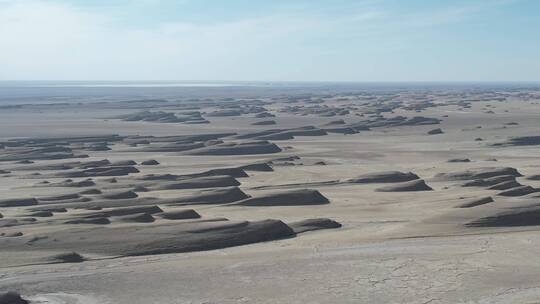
393	247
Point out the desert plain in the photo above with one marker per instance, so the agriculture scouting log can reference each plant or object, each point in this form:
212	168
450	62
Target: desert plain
319	194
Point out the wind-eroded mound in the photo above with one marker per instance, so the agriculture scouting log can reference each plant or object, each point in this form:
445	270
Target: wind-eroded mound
120	195
162	117
291	133
69	257
169	147
18	202
195	178
59	197
459	160
518	217
341	130
283	134
492	181
261	167
40	214
396	121
73	184
8	222
518	191
384	177
314	224
475	202
248	148
160	239
264	123
414	185
505	185
521	141
223	195
50	209
288	198
264	115
212	196
179	214
64	166
477	173
435	131
224	113
150	162
94	220
198	182
11	297
11	234
28	156
90	192
134	218
335	122
100	171
234	172
122	163
126	211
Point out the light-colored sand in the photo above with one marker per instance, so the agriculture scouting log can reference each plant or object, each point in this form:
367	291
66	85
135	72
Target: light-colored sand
394	247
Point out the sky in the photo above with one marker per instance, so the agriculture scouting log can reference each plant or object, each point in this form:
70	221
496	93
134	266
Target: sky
272	40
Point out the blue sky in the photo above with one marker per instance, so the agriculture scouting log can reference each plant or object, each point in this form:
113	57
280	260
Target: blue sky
278	40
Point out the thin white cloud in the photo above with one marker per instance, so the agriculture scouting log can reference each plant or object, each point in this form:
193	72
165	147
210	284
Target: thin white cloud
56	40
51	40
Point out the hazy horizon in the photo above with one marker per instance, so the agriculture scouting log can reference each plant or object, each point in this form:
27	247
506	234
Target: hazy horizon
61	82
24	92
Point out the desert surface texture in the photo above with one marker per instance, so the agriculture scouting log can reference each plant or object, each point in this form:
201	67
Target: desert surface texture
271	194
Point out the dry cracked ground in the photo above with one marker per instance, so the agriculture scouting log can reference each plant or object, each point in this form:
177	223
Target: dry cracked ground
273	196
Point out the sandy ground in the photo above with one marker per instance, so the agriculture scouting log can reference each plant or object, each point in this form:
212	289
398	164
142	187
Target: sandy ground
403	247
